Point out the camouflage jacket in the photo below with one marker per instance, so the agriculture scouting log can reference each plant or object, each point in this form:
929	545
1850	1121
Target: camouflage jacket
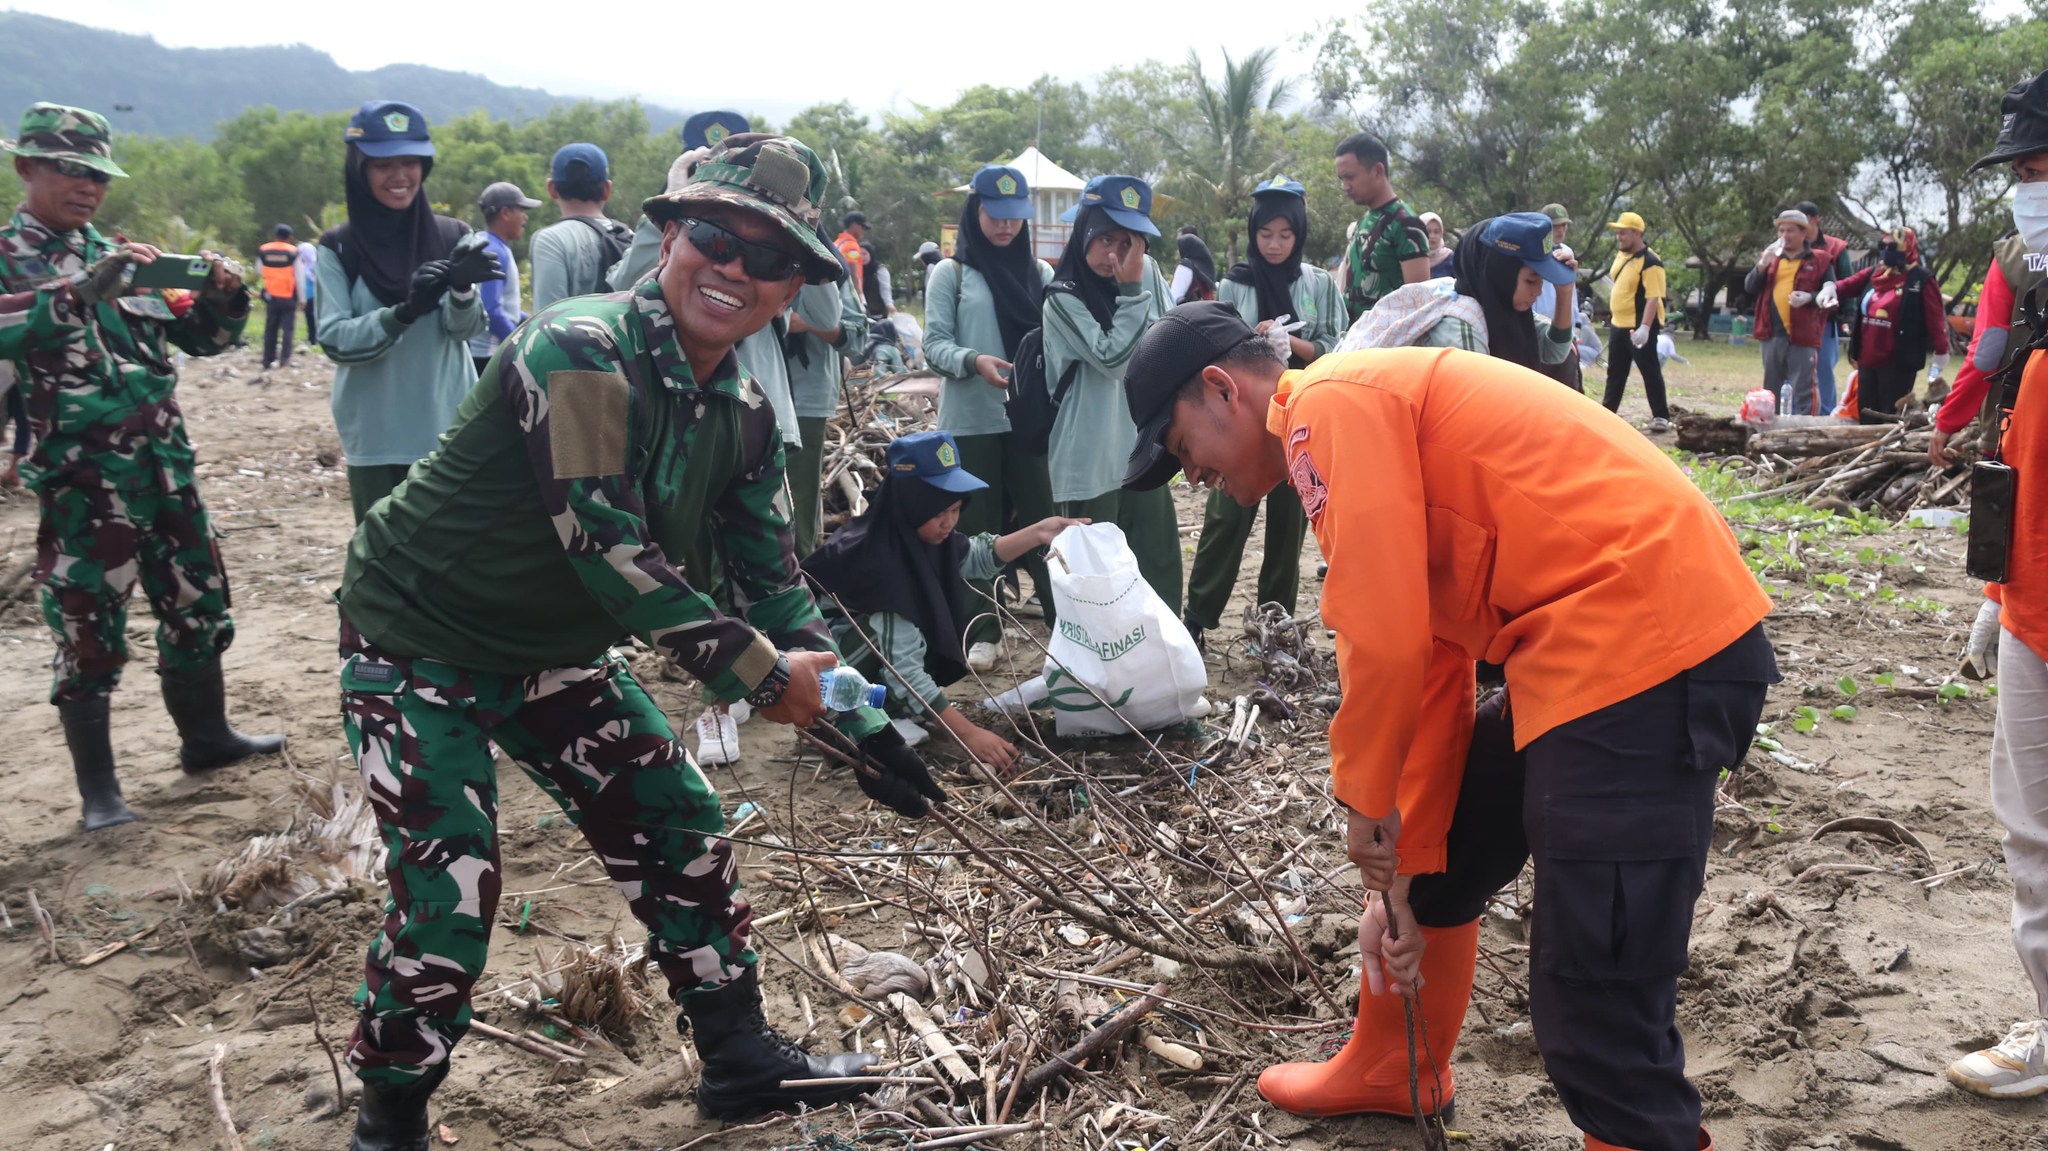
586	473
101	383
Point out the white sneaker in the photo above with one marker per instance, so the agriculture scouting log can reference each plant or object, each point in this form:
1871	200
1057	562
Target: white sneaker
1660	424
912	734
743	711
2015	1069
718	738
983	656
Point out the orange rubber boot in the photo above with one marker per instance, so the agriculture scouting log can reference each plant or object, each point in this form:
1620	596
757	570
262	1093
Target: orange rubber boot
1592	1144
1370	1075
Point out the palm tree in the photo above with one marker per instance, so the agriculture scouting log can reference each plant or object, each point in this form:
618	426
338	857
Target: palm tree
1222	163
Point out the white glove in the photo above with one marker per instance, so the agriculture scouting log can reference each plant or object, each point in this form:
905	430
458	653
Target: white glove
1776	249
1640	336
1562	252
1801	299
1935	369
1826	297
1278	334
1980	655
685	166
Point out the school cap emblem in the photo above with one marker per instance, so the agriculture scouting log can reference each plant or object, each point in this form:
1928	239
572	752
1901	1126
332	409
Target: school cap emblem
1131	198
397	121
947	457
1006	185
714	132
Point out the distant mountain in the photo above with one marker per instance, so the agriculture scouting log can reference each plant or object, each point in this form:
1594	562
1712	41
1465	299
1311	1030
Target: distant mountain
146	88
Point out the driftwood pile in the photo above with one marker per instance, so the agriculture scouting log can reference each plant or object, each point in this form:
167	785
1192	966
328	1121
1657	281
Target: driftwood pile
874	412
1882	469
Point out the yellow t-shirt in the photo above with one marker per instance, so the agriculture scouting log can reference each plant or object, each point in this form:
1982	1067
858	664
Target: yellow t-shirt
1638	278
1781	291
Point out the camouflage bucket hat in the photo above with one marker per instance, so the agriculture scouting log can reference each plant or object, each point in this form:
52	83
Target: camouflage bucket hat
774	176
55	132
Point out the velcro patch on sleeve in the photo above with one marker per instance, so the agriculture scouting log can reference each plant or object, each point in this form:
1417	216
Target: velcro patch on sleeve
587	423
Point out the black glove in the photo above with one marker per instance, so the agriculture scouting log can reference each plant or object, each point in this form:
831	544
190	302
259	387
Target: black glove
429	284
903	783
472	263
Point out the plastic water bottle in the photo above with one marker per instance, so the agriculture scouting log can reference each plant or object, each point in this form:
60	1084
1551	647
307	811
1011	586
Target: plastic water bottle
844	689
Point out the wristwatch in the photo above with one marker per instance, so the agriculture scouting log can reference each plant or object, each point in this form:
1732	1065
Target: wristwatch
769	691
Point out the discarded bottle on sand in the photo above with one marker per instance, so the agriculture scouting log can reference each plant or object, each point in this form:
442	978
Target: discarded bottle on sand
845	689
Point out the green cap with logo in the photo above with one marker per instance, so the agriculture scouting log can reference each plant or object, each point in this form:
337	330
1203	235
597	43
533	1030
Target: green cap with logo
778	177
57	132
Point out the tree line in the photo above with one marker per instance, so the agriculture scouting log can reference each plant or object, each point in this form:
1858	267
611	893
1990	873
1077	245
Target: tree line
1706	116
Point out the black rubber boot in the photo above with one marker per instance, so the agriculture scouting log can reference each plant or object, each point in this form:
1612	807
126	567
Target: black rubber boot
1195	631
92	760
395	1118
197	701
745	1060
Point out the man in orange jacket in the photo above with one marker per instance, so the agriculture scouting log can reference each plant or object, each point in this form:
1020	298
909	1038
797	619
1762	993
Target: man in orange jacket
279	259
1613	593
852	229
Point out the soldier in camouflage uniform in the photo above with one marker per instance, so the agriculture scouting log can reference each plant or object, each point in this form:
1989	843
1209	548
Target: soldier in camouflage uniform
561	513
112	465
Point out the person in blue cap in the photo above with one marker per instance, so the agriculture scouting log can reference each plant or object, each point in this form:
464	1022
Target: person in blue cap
892	585
1503	264
1270	286
709	129
398	302
978	307
574	255
1104	294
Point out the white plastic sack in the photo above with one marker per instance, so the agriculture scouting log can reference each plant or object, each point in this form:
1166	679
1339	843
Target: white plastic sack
1116	642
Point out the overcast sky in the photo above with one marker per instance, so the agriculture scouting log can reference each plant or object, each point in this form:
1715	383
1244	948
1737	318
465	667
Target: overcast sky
879	55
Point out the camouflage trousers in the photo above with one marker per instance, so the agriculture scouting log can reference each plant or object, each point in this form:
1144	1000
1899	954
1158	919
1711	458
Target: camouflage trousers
93	544
592	739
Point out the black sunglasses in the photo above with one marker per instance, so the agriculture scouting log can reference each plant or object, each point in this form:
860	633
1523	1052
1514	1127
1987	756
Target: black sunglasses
722	246
71	169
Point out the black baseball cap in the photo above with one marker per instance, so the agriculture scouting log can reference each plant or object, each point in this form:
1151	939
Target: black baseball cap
1173	351
854	217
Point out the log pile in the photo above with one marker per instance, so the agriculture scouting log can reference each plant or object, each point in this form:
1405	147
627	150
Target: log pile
872	414
1882	469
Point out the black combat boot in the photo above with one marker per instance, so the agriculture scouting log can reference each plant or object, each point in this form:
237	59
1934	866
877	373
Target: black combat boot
745	1060
395	1118
92	760
197	701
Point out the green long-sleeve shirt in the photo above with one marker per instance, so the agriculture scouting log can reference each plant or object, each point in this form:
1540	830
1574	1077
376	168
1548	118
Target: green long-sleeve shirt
566	507
815	374
396	386
1317	303
1093	433
911	687
960	325
99	381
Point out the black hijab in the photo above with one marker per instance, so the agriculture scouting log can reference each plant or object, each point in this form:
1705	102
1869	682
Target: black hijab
1011	272
381	247
1274	283
1076	278
1487	274
877	563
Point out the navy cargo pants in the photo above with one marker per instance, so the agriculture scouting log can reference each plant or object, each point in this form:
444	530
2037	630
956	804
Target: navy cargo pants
1617	809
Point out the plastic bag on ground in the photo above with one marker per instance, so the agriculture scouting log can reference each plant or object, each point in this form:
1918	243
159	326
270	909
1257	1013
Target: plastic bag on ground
1117	642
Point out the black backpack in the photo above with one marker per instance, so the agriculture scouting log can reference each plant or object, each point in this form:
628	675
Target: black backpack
1032	405
615	237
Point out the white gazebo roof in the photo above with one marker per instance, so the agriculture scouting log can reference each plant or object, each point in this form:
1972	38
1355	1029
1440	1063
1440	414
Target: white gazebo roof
1039	172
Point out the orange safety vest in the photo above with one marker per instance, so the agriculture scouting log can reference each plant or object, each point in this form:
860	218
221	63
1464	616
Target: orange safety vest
280	276
856	259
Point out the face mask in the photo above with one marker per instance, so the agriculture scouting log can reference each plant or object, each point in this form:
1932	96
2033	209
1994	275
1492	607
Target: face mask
2030	214
1893	257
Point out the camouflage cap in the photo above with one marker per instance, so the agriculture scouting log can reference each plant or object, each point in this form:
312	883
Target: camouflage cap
775	176
56	132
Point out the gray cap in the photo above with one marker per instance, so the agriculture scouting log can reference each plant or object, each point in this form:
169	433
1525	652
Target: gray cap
504	194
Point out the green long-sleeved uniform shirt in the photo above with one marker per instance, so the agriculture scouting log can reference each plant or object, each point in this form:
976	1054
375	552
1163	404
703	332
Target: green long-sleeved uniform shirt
564	510
959	325
396	386
1093	434
1317	303
814	371
99	381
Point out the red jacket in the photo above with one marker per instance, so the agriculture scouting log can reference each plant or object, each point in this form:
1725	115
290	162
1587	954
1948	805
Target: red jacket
1879	340
1817	269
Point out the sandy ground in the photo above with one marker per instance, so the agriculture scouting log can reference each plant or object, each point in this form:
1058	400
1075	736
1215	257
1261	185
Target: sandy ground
1818	1011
